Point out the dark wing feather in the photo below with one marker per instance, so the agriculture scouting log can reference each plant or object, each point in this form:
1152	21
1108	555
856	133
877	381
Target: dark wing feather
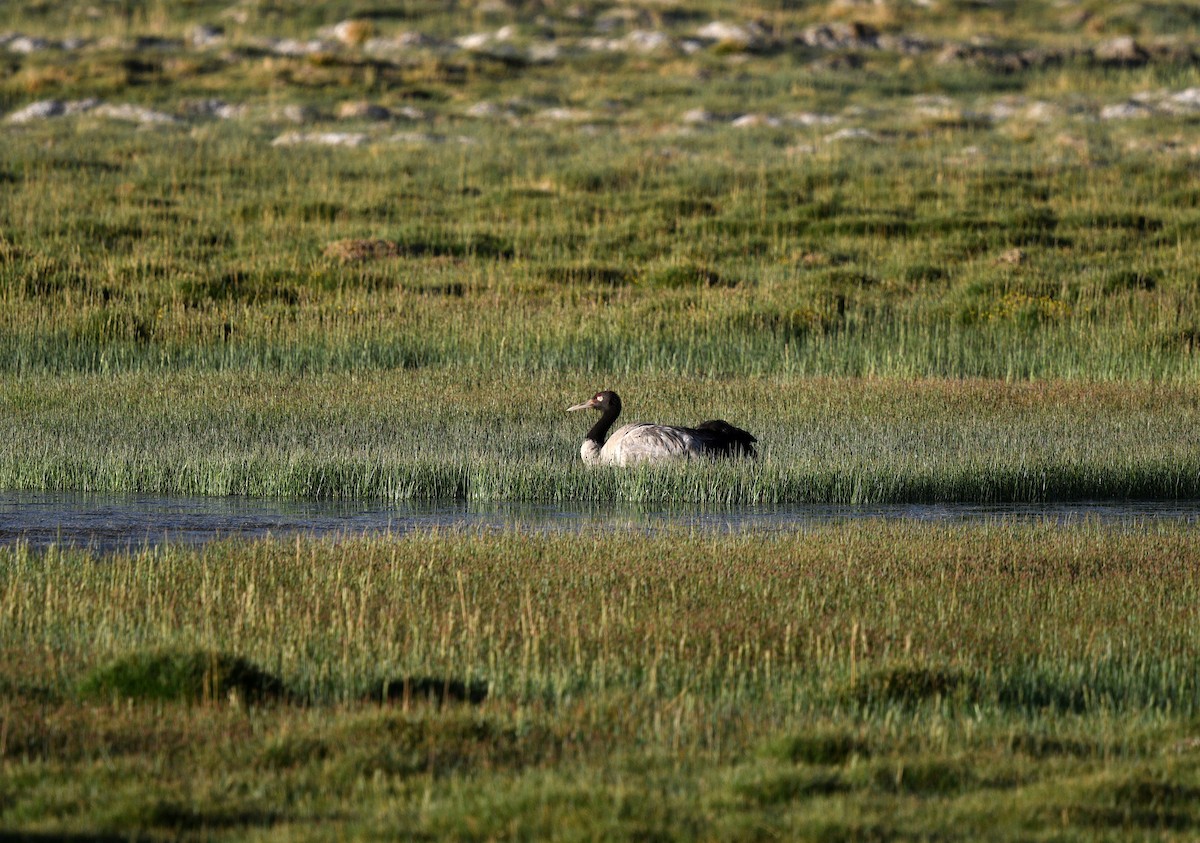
723	439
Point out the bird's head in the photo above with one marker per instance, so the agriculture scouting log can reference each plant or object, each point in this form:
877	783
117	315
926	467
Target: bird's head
602	401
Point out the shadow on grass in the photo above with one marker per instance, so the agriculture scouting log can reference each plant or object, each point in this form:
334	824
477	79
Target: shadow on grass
432	689
199	676
1104	686
189	676
59	837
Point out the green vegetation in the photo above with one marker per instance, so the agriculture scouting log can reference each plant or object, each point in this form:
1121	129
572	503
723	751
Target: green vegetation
446	435
935	220
924	251
221	301
216	312
853	681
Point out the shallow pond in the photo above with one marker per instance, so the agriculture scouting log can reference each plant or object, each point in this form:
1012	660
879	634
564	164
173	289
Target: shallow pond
118	522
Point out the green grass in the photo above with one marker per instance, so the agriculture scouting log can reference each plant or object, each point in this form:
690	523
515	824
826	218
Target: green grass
931	275
887	680
423	435
632	244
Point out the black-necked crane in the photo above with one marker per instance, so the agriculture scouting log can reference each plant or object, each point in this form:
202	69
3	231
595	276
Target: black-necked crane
646	442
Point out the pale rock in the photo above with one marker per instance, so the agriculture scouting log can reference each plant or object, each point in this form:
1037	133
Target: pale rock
852	135
134	114
755	121
488	110
544	52
474	41
1122	50
83	106
294	113
697	116
40	110
295	47
647	41
347	139
730	33
352	33
203	36
808	118
27	44
1126	111
1185	100
565	115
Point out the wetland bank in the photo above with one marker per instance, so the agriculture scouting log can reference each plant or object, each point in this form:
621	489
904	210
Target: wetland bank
348	252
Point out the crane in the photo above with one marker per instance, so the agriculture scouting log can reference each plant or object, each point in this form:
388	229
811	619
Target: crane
643	442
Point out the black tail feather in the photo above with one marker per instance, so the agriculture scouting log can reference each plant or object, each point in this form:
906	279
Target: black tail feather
724	439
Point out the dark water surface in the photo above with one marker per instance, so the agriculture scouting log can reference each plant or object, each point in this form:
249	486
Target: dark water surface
119	522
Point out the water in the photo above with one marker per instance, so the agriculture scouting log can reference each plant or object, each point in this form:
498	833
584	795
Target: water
109	523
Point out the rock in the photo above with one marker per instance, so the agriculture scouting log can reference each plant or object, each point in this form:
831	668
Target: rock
863	135
565	115
415	39
203	36
755	121
134	114
841	36
905	45
353	33
1126	111
1123	51
45	109
83	106
749	35
544	52
807	118
294	113
350	139
213	107
1043	112
474	41
36	111
295	47
1186	100
697	116
647	41
26	44
489	111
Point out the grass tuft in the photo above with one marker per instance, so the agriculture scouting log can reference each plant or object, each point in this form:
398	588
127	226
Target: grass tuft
195	676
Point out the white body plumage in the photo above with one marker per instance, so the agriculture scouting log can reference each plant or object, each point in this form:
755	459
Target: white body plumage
642	442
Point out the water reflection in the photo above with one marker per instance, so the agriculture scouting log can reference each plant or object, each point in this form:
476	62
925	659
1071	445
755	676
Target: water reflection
119	522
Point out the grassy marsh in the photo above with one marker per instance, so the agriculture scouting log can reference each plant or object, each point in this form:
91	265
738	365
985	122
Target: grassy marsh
923	251
422	435
896	216
889	680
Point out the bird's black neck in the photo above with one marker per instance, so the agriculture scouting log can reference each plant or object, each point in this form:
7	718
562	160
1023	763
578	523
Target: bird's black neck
600	428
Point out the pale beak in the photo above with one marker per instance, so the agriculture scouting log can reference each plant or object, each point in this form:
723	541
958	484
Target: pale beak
586	405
